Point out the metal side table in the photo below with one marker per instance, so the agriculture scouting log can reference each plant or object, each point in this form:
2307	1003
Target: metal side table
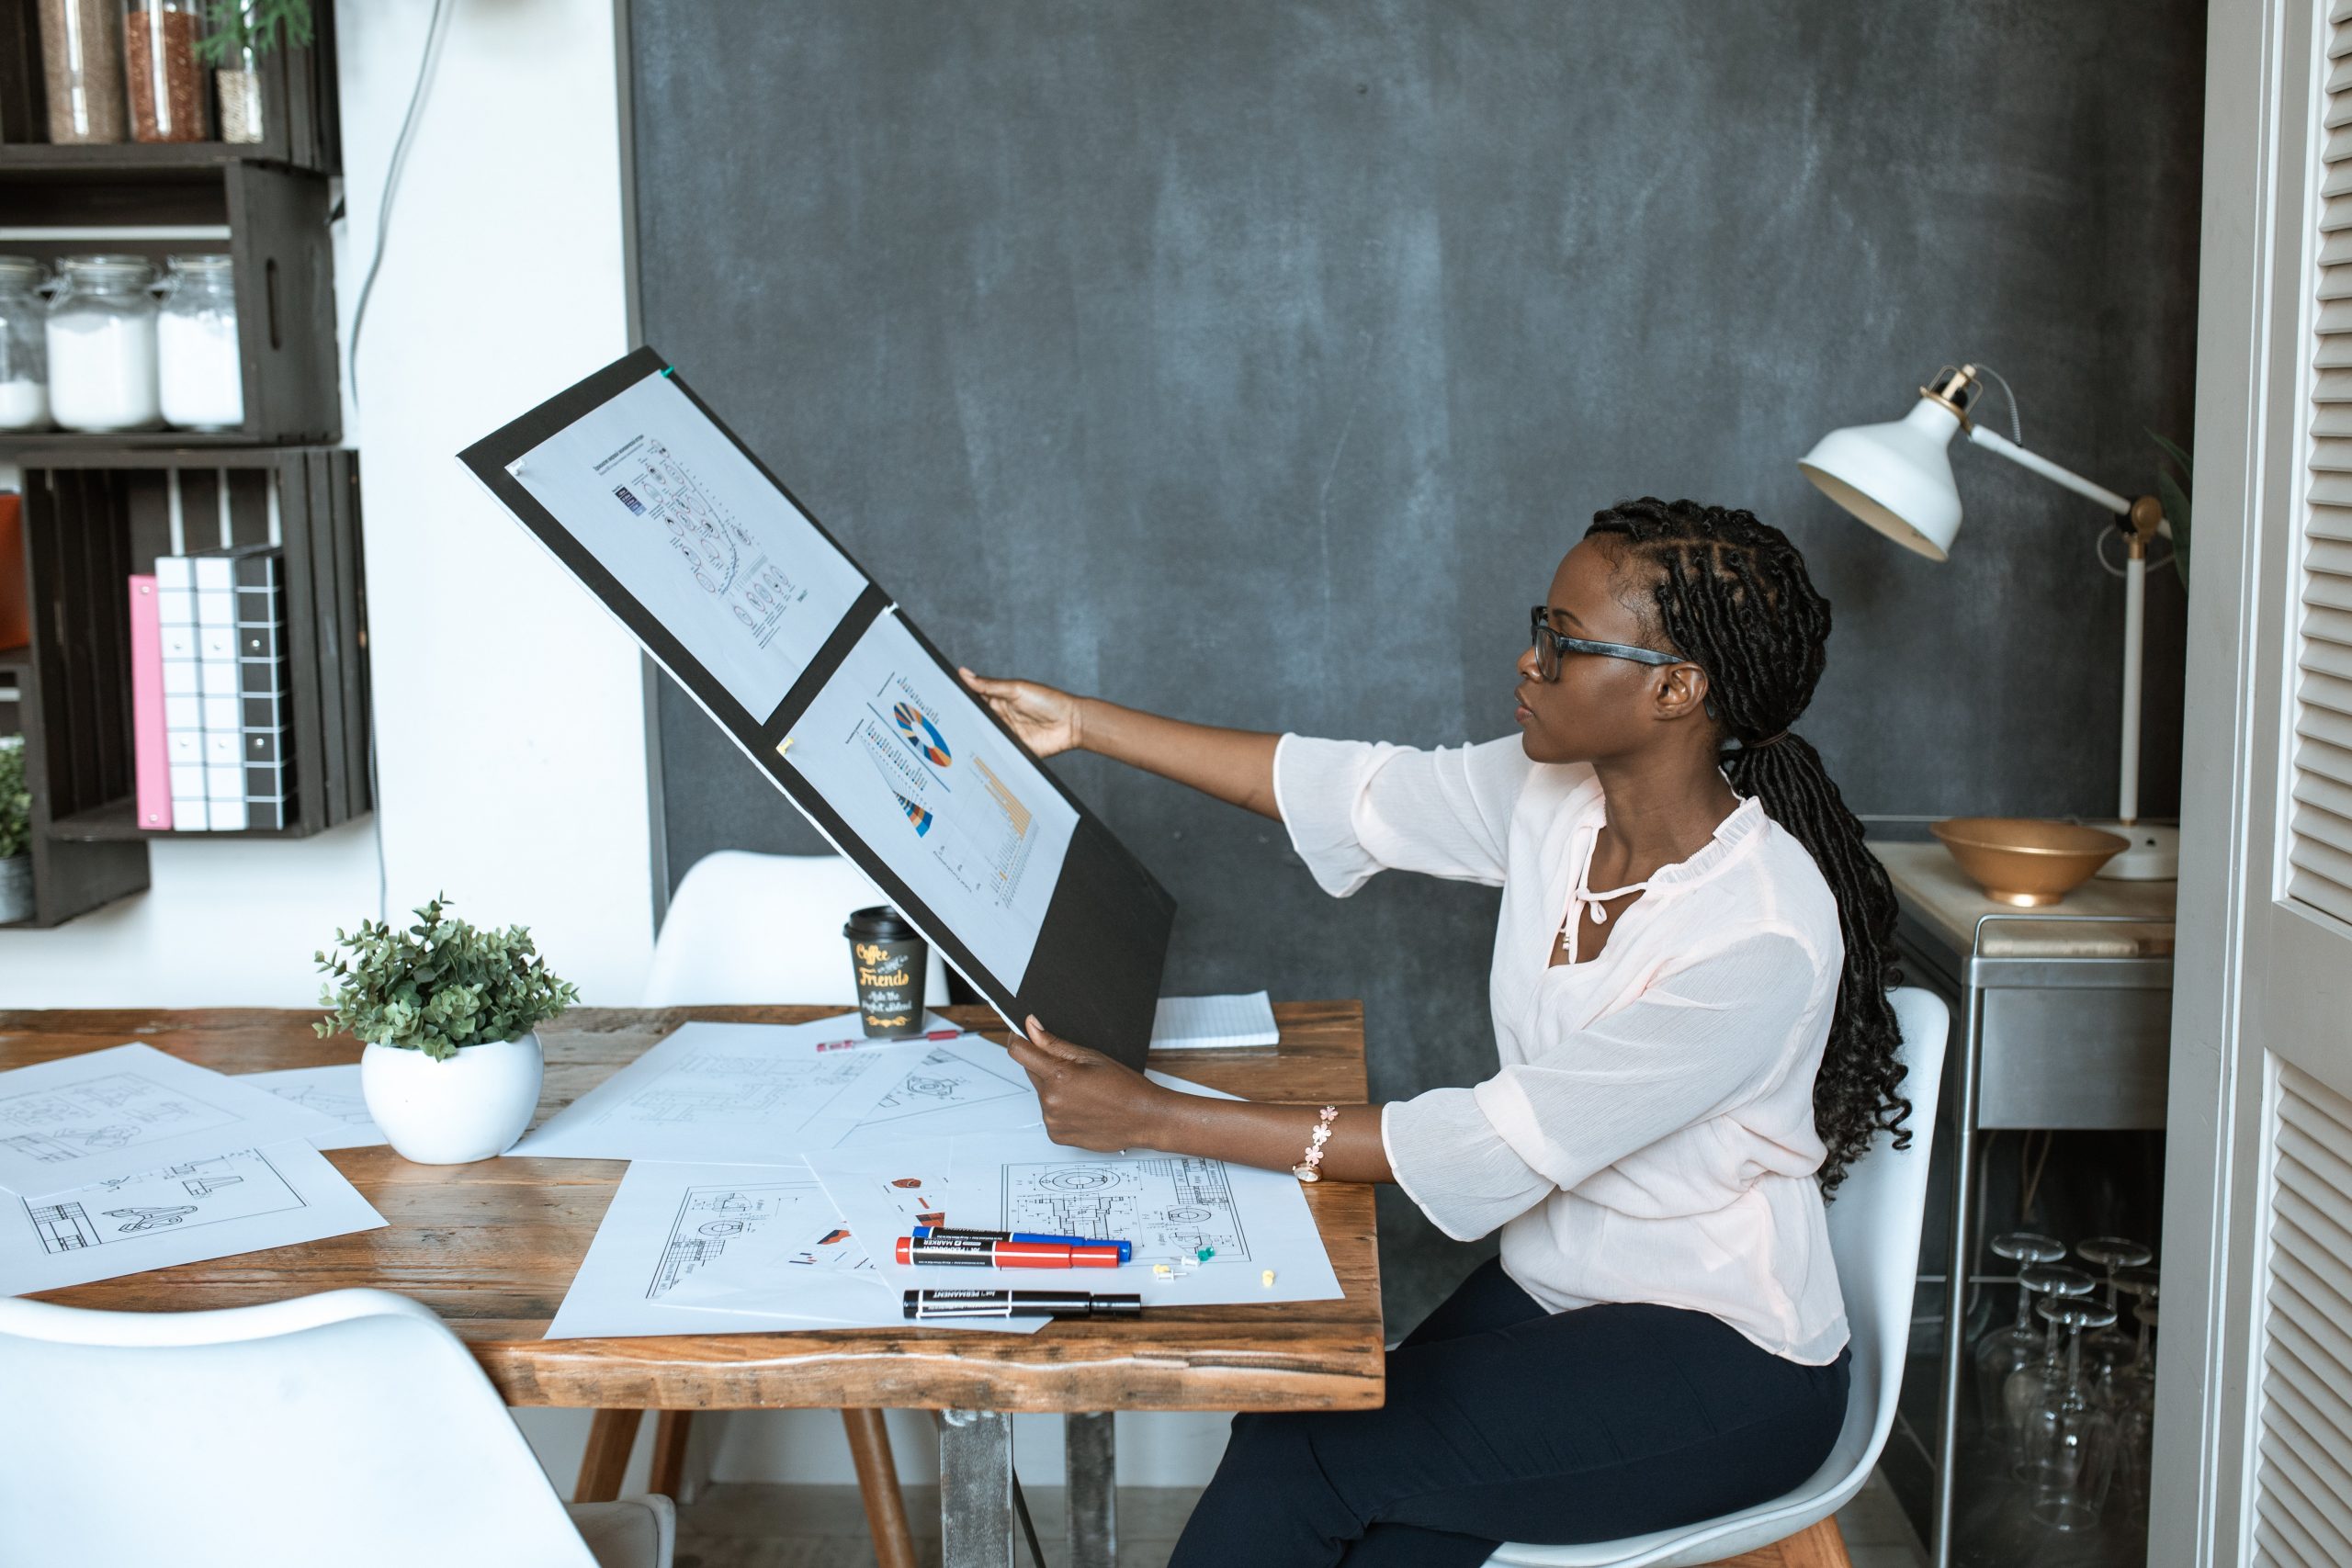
2065	1023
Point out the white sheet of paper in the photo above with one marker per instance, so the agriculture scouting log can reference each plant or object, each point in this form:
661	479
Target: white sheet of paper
970	1084
745	1092
669	1221
331	1096
900	750
125	1109
214	1206
698	536
1208	1024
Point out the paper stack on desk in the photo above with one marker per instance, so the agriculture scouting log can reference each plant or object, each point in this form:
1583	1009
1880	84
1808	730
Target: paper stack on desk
126	1159
1210	1024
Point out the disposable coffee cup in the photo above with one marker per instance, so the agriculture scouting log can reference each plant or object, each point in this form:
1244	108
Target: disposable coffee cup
889	958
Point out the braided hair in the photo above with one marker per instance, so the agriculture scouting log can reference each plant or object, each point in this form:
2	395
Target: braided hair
1731	594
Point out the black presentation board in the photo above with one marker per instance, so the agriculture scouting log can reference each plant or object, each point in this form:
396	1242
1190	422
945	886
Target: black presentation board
873	711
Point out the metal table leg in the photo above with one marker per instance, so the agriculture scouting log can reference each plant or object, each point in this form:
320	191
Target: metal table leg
1093	1490
1961	1264
975	1489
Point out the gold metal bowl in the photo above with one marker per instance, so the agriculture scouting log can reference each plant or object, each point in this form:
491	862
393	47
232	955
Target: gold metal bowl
2025	862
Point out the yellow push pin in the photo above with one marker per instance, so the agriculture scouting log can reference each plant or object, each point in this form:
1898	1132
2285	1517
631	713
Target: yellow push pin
1164	1271
1266	1279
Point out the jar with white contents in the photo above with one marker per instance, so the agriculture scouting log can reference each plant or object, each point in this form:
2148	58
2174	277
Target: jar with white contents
24	353
101	340
203	386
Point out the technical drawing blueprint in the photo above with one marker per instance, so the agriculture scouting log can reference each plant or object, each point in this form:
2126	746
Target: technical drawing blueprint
1166	1204
237	1200
334	1097
122	1111
963	1085
742	1092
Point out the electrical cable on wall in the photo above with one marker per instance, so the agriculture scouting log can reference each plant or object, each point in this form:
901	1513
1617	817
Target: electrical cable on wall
433	33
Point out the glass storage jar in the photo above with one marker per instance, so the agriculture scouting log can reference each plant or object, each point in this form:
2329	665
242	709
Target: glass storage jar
101	338
81	60
236	80
24	353
196	346
166	85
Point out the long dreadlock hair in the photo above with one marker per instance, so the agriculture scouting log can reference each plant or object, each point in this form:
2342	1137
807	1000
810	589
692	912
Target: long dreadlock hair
1731	594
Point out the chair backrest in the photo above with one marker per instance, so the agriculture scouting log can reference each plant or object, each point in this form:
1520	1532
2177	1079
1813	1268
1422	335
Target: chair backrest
1874	1225
749	927
350	1427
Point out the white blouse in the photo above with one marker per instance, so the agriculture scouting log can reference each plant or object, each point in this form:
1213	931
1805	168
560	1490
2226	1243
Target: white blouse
1649	1136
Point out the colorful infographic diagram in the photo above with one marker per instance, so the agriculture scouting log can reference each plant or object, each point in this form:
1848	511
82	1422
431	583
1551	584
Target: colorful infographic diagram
903	753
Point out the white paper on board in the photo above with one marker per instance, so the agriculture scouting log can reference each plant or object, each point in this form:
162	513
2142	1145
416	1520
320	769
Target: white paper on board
903	754
750	1093
125	1109
215	1205
669	1221
706	543
331	1096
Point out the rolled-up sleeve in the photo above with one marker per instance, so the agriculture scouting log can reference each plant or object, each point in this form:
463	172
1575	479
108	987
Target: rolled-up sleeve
1354	809
1699	1041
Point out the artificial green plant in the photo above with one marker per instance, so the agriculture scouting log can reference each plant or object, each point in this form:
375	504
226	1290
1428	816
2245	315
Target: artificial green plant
234	26
2173	493
437	987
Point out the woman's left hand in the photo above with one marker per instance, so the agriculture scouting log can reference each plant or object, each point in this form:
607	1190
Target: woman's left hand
1091	1101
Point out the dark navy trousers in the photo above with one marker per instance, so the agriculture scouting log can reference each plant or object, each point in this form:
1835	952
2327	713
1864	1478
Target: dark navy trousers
1505	1422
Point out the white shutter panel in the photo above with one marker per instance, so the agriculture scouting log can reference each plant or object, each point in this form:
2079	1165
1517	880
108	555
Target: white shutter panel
2302	1512
2319	845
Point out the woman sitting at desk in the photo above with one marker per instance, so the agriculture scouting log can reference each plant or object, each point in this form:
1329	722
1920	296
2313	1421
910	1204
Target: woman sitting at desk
1689	993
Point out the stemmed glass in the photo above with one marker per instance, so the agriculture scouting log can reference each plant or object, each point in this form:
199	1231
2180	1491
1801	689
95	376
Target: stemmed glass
2112	1346
2135	1415
2006	1350
2033	1384
2070	1441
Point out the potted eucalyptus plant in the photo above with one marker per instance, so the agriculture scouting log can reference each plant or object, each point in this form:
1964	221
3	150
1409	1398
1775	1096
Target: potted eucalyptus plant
449	1013
15	833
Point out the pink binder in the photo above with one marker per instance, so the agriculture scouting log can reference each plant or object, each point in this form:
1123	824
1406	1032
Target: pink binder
151	765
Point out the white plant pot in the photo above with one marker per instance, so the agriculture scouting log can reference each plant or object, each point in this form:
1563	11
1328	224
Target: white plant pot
471	1107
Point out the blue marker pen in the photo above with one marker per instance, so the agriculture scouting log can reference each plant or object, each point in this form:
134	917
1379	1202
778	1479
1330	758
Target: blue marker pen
1127	1248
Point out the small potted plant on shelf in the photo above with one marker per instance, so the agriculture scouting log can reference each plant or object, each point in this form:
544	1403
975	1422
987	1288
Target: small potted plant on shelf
15	833
448	1013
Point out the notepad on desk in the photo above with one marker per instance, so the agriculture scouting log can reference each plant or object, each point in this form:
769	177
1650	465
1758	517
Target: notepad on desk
1204	1023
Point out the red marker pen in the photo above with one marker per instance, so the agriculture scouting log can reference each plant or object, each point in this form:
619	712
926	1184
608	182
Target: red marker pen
978	1252
889	1040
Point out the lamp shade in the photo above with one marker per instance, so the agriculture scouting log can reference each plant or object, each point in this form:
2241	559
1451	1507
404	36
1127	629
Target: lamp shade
1895	477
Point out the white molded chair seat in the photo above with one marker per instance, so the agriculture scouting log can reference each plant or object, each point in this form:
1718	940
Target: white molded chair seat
745	928
350	1427
1874	1235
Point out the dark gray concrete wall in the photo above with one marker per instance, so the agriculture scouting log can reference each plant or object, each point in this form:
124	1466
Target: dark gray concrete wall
1256	361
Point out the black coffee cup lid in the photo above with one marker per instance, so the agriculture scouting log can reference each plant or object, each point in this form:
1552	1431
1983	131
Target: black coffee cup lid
880	923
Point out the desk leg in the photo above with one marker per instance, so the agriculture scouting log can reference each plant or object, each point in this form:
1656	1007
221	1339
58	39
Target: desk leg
1957	1269
610	1437
1093	1469
975	1489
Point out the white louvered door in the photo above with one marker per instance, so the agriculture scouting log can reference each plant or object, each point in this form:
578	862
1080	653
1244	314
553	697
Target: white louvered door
2254	1412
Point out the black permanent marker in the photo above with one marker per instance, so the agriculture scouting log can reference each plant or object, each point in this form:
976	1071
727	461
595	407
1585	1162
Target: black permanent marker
1019	1304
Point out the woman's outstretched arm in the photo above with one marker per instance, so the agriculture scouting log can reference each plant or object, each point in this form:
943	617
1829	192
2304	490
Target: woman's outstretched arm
1235	765
1094	1102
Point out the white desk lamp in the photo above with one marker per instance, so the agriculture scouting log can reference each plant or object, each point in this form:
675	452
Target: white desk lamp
1898	478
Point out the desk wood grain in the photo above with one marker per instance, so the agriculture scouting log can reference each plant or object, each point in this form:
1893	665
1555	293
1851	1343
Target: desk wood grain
492	1247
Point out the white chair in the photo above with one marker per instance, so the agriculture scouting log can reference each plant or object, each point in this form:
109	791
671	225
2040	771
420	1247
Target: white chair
1874	1235
747	927
350	1427
753	927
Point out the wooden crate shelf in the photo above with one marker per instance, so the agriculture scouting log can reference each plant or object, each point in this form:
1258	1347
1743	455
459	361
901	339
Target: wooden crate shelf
94	518
299	114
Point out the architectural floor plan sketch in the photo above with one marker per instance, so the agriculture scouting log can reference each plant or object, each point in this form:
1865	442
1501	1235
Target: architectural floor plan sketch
333	1099
747	1092
1166	1204
901	751
707	544
237	1199
123	1111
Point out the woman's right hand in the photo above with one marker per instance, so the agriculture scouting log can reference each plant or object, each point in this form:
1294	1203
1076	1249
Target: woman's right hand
1046	720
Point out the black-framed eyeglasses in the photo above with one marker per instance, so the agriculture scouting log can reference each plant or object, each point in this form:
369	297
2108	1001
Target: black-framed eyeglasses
1551	644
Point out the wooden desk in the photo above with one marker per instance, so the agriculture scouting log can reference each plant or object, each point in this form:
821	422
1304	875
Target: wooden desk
492	1248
